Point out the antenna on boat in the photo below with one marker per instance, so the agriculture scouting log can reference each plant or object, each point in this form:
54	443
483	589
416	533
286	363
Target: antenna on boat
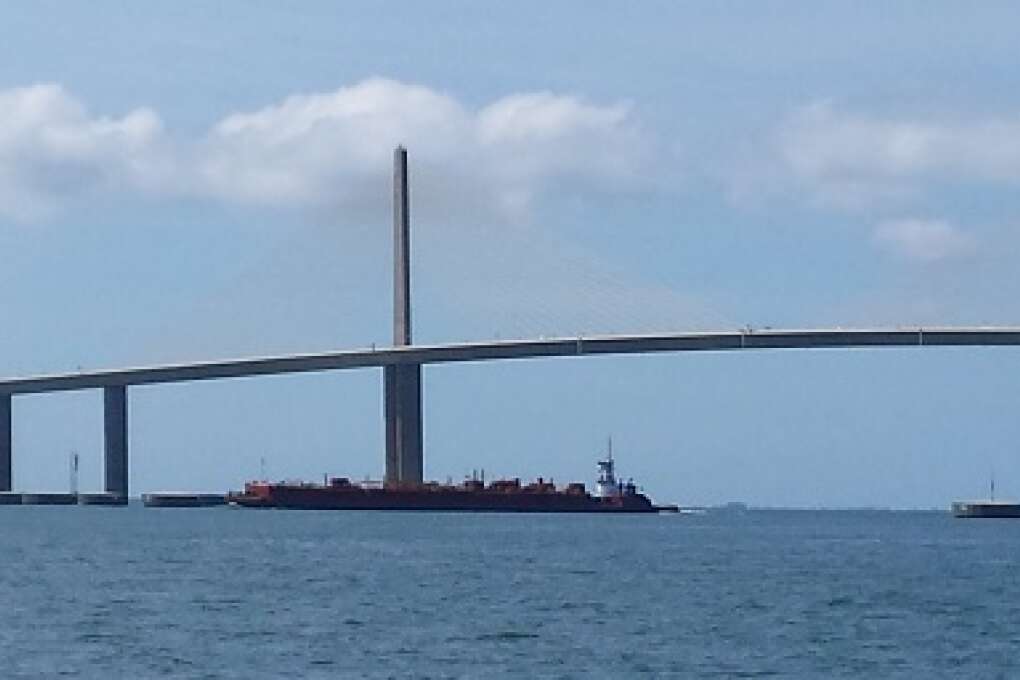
74	472
991	485
610	447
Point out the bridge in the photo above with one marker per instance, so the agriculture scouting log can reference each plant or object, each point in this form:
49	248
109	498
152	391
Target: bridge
745	339
402	364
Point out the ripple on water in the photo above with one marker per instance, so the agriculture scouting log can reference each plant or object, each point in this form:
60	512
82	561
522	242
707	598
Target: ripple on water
266	595
506	636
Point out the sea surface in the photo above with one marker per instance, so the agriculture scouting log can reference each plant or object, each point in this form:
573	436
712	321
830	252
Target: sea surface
231	593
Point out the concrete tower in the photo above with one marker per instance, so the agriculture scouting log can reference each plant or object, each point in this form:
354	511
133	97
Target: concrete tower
402	382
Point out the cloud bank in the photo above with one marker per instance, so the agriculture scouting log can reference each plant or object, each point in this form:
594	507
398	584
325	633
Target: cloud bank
52	149
851	159
317	150
880	167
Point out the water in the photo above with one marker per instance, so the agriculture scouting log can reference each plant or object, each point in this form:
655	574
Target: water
227	593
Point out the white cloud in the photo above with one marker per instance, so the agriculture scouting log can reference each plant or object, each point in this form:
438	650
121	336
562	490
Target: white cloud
51	149
924	240
852	159
547	134
321	148
313	150
326	148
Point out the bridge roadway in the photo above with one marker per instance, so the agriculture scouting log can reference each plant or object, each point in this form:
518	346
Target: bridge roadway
115	382
747	339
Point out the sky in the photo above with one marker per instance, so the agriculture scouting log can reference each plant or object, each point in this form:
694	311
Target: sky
184	182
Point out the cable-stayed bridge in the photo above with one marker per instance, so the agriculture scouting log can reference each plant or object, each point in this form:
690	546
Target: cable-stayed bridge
402	364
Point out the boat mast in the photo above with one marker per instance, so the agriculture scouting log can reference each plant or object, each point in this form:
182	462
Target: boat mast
74	472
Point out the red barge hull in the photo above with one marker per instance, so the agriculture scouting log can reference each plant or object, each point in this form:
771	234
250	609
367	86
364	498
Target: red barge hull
471	497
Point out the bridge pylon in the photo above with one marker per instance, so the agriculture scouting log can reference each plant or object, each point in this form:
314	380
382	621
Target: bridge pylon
402	394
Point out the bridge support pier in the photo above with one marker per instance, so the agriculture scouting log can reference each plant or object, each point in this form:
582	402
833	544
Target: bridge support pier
6	441
115	440
402	406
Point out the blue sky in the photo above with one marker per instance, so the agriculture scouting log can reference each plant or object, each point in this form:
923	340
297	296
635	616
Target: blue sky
183	183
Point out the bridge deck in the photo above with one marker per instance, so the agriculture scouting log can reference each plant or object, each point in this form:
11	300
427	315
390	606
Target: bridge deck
519	349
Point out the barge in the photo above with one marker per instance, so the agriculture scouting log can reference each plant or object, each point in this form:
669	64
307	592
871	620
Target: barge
986	509
183	500
474	495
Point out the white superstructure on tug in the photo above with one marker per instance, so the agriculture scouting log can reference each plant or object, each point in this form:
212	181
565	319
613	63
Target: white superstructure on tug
607	485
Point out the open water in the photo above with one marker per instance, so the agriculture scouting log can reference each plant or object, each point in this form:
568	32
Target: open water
230	593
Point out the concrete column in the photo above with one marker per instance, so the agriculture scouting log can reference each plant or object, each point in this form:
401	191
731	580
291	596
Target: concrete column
402	404
410	425
116	441
6	448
